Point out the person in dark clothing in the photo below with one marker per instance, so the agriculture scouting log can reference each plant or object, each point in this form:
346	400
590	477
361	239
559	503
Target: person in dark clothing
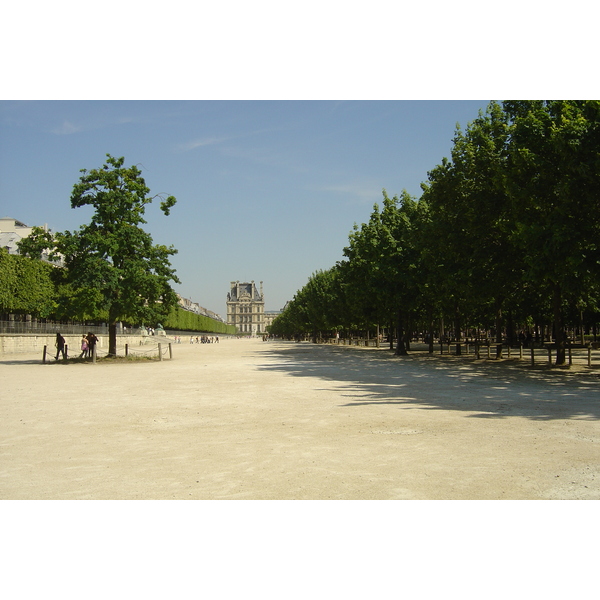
60	346
92	339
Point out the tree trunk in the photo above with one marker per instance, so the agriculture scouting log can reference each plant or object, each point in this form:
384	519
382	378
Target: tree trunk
457	332
559	330
430	331
112	339
511	329
498	328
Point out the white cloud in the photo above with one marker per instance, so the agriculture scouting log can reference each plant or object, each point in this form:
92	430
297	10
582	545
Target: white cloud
199	143
66	128
360	192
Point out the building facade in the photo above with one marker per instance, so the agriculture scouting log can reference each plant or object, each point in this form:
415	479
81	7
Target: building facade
13	231
246	307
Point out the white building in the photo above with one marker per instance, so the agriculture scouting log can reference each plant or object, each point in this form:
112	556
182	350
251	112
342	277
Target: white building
13	231
246	307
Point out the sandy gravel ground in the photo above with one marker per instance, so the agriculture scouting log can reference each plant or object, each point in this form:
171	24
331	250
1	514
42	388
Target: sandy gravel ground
245	419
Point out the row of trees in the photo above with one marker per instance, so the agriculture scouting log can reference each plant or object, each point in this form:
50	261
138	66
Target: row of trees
112	271
506	232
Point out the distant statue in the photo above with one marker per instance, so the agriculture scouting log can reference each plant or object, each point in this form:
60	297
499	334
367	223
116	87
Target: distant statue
159	330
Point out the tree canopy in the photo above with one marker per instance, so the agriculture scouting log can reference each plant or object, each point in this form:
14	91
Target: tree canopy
505	233
111	265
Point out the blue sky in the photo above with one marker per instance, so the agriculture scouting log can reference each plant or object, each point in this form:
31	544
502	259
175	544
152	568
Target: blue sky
277	126
266	190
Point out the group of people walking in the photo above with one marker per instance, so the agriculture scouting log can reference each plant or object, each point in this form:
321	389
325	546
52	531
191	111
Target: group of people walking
88	343
204	339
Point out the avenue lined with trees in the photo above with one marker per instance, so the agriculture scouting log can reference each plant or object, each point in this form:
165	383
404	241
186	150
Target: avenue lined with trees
503	241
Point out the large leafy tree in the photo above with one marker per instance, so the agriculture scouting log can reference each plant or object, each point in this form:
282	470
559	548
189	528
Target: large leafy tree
113	269
553	178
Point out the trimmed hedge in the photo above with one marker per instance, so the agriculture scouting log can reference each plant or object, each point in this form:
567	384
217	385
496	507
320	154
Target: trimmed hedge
26	285
184	320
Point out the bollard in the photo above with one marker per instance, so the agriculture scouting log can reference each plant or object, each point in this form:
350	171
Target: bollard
159	351
508	351
589	356
170	351
94	354
44	355
66	353
126	349
520	351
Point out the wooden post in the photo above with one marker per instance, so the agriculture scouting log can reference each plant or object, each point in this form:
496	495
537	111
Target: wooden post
94	354
44	355
532	356
508	350
549	356
521	351
589	356
66	352
488	348
159	351
570	356
126	349
170	351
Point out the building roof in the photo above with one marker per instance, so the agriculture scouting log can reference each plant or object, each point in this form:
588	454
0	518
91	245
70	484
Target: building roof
246	291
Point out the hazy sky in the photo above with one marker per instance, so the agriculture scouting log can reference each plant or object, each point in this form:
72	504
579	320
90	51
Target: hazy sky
266	190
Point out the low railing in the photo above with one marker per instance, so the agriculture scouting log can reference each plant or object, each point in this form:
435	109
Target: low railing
37	328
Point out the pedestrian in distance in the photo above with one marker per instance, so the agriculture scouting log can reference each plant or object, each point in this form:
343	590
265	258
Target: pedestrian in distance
91	340
60	346
84	347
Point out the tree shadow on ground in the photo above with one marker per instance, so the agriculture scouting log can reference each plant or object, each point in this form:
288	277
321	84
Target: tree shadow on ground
486	388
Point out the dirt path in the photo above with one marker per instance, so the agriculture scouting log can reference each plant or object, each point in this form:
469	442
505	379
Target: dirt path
245	419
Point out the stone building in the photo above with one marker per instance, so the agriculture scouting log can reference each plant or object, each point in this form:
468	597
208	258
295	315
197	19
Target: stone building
270	316
246	307
13	231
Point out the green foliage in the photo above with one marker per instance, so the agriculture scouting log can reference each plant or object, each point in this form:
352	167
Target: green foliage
184	320
508	226
112	264
37	243
26	286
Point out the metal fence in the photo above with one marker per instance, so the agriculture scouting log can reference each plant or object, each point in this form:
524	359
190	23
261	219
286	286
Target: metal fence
37	328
